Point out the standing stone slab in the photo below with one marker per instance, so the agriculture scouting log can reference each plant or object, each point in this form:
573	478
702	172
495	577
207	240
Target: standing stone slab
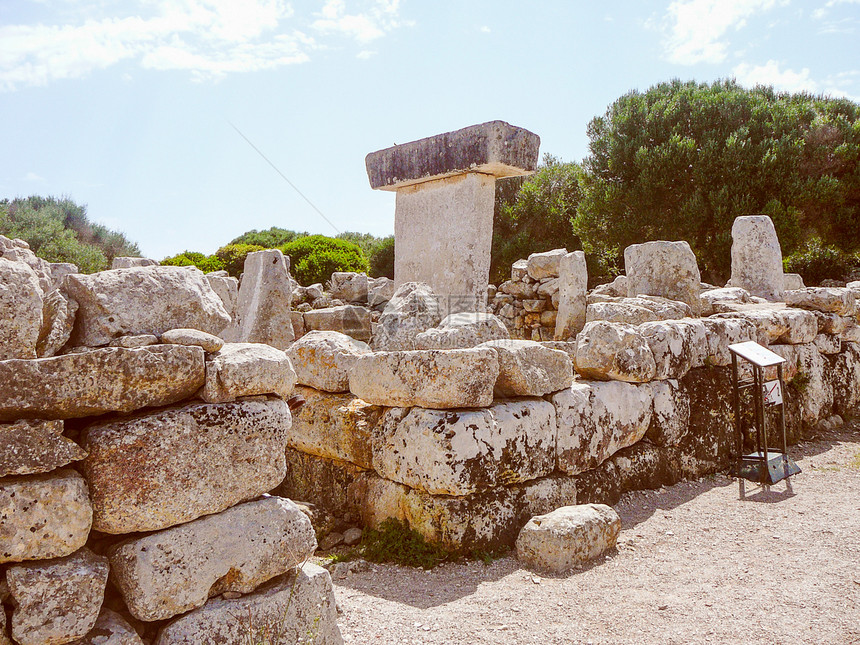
322	359
29	447
43	516
614	351
527	368
455	378
111	379
173	571
20	310
58	320
142	300
300	605
111	629
247	369
757	257
572	288
152	471
666	269
57	600
265	297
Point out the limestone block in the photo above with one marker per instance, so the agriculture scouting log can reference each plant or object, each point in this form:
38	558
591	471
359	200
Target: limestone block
132	342
714	299
463	452
616	351
670	418
142	300
23	255
463	330
757	257
322	359
832	323
338	426
596	419
173	571
21	307
247	369
784	326
58	320
152	471
298	319
379	292
619	312
192	338
615	289
265	298
828	343
348	286
519	269
435	378
793	281
724	332
336	486
299	606
493	148
57	601
710	443
677	345
28	447
521	290
110	379
111	629
350	320
851	334
528	368
814	378
846	379
825	299
572	287
549	286
644	466
43	516
60	270
128	262
227	288
666	269
568	536
546	264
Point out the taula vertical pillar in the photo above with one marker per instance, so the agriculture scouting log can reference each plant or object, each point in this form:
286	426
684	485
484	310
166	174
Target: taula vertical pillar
443	218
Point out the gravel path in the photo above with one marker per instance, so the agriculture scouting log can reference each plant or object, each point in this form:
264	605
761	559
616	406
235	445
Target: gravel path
694	564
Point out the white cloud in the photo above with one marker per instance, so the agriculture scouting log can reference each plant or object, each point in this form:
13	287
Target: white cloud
31	176
484	29
771	74
372	23
364	54
698	28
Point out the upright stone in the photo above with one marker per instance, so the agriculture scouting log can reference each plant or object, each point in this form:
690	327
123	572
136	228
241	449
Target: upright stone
443	221
265	297
757	257
666	269
20	310
572	288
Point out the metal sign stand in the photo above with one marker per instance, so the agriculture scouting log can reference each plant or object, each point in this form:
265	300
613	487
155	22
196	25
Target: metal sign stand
764	466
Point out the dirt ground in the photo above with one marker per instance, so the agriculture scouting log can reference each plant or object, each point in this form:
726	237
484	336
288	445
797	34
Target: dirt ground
694	564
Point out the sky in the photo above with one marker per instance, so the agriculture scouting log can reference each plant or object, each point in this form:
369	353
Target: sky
185	123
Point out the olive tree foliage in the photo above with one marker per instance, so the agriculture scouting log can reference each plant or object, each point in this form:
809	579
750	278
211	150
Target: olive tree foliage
682	160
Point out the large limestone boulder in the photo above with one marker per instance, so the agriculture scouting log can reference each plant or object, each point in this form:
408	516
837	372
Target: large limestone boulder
265	298
151	471
58	320
413	308
351	320
728	331
528	368
336	426
811	373
43	516
349	287
846	380
780	325
111	629
568	536
670	417
379	292
757	257
110	379
677	345
614	351
336	487
619	312
666	269
28	447
572	288
459	331
719	300
323	359
20	310
142	300
247	369
545	265
227	288
463	452
128	262
59	600
596	419
435	378
20	252
825	299
299	606
173	571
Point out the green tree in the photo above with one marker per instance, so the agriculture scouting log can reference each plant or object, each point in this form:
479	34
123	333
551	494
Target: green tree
268	239
205	263
315	257
232	257
381	258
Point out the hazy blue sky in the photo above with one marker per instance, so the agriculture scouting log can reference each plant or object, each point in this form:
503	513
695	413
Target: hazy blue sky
127	106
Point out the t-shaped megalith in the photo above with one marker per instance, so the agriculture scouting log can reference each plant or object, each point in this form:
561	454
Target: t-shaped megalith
443	218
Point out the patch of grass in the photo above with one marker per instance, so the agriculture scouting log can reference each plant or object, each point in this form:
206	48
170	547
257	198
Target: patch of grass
396	542
487	557
855	461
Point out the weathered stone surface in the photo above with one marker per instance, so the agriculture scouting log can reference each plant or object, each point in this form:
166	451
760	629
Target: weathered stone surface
549	286
792	281
152	471
670	418
265	298
322	359
227	288
714	300
677	346
570	535
846	380
493	148
349	287
57	601
832	323
21	307
519	269
757	257
724	332
300	605
58	320
23	255
435	378
619	312
379	292
786	326
828	343
350	320
615	289
110	379
645	466
572	286
710	443
810	372
173	571
30	446
142	300
110	629
43	516
519	289
247	369
60	270
546	264
666	269
128	262
528	368
596	419
338	426
463	452
132	342
615	351
463	330
825	299
192	338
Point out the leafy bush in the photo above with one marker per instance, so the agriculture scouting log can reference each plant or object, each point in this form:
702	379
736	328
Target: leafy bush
395	542
205	263
818	262
233	256
382	258
268	239
315	257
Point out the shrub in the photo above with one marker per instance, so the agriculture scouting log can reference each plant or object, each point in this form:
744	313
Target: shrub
818	262
233	256
315	257
268	239
382	259
205	263
395	542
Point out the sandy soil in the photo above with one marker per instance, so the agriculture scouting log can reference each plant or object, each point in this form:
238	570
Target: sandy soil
694	564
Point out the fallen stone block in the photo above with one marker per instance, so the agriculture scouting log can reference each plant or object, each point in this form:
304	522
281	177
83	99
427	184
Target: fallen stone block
21	304
666	269
350	320
825	299
322	359
757	257
463	330
614	351
714	300
528	368
349	287
28	447
247	369
379	293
